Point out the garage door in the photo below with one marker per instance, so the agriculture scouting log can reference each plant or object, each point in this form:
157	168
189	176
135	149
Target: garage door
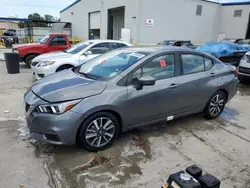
95	20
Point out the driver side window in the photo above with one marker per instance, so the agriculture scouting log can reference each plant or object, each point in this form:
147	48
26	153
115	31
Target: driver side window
100	48
58	41
160	68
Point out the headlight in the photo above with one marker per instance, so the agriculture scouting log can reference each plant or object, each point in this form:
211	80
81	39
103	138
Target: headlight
15	51
45	63
57	108
246	58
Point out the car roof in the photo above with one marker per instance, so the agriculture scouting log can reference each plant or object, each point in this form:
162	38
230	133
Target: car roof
152	49
100	40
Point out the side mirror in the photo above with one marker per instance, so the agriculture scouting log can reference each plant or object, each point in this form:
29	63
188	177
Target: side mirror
145	81
87	53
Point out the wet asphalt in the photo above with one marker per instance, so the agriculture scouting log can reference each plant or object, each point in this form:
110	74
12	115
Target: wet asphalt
145	157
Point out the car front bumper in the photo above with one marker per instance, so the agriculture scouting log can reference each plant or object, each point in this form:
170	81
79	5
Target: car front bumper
41	72
50	128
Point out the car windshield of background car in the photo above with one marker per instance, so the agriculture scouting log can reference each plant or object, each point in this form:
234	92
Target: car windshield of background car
44	39
110	64
78	47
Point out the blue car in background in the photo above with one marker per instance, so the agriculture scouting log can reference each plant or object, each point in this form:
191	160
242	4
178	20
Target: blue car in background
227	52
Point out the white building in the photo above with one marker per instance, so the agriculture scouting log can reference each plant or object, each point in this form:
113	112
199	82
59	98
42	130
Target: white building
151	21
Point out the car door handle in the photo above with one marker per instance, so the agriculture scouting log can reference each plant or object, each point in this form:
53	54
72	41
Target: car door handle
172	86
212	74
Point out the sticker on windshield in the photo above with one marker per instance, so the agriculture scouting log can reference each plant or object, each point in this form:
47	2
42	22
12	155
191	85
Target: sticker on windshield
137	55
104	61
163	63
112	74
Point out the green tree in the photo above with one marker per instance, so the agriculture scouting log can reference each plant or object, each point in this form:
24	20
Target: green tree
36	18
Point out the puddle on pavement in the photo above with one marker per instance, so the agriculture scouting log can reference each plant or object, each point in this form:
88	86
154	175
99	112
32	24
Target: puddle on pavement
244	89
72	166
228	113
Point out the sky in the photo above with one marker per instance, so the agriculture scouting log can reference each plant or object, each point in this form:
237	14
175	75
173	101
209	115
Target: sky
22	8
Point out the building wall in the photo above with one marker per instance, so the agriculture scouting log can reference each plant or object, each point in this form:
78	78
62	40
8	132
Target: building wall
8	25
177	20
81	10
234	27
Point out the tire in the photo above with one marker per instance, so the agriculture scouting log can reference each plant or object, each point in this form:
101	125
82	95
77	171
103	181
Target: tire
29	59
215	106
98	139
64	67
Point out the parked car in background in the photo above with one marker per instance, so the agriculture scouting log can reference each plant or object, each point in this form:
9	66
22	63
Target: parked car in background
124	89
10	36
244	42
227	52
244	68
50	43
50	63
178	43
231	40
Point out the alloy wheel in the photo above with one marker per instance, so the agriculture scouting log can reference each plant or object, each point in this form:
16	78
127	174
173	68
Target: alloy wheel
100	132
216	105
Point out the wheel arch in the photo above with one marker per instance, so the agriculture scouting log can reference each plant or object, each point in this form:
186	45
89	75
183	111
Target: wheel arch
94	111
66	64
225	92
27	55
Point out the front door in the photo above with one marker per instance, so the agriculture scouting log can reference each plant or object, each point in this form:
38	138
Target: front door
57	43
152	102
95	51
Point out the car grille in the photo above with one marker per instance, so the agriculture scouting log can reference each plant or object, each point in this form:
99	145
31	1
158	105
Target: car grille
27	106
34	63
244	70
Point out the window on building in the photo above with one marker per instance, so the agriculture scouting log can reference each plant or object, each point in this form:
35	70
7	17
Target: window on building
237	13
199	10
192	63
160	68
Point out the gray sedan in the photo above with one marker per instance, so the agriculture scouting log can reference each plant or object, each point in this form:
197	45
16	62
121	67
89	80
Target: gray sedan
125	89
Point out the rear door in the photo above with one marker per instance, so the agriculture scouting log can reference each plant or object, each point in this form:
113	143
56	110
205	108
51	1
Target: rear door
57	43
196	82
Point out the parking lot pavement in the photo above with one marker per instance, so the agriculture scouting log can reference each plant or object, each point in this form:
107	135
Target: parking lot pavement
141	158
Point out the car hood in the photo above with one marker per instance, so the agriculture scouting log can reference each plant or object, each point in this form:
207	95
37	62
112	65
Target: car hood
67	85
52	56
16	46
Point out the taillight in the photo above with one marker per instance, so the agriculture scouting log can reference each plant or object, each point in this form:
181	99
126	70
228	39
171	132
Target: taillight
235	71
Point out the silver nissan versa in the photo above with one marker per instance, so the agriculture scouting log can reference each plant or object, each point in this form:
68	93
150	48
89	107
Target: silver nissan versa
124	89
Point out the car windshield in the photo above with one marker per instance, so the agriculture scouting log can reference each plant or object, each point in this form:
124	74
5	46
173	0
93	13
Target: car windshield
78	47
110	64
44	39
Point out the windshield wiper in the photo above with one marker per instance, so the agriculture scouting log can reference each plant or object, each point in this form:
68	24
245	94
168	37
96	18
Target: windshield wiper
87	75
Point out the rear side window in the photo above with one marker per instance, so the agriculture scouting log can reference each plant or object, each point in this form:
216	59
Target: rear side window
118	45
208	63
192	63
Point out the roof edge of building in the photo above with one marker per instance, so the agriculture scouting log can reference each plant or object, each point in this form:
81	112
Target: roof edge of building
236	3
71	5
